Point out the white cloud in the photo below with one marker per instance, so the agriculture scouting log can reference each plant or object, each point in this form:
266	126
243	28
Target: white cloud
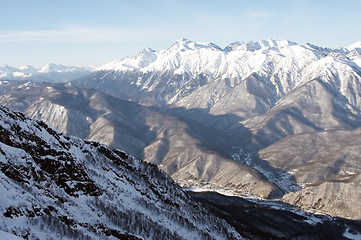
72	35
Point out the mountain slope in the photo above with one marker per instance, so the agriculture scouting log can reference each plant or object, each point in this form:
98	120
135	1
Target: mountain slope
329	197
311	107
326	164
184	150
63	187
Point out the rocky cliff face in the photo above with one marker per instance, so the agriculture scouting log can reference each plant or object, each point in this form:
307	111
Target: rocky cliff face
57	186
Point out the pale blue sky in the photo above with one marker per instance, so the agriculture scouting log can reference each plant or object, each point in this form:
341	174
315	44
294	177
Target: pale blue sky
94	32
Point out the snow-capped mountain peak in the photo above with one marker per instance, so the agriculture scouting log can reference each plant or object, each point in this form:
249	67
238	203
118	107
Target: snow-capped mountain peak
140	60
194	58
233	45
178	57
52	67
185	44
264	44
354	46
48	73
186	65
260	45
7	68
27	67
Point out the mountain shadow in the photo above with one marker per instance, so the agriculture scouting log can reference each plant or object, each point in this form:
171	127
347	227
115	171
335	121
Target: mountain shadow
215	134
79	105
274	219
163	148
84	113
214	145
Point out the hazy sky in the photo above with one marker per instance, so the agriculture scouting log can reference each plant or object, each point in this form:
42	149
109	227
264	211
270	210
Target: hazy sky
94	32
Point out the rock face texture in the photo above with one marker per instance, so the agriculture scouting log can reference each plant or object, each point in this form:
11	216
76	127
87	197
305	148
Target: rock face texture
338	197
326	164
57	186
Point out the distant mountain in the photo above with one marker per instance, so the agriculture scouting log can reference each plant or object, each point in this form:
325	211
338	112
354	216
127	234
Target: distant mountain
171	76
57	186
54	73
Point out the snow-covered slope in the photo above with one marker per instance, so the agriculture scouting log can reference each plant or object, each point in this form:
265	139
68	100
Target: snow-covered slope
54	73
58	187
171	75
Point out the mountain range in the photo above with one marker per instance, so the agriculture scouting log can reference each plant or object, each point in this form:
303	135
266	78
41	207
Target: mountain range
272	119
51	72
251	98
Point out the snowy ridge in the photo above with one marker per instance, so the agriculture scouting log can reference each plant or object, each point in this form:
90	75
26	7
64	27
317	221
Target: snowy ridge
141	60
50	73
52	67
188	56
284	63
354	46
63	187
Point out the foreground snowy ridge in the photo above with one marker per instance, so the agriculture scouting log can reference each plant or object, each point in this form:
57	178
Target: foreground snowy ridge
56	186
